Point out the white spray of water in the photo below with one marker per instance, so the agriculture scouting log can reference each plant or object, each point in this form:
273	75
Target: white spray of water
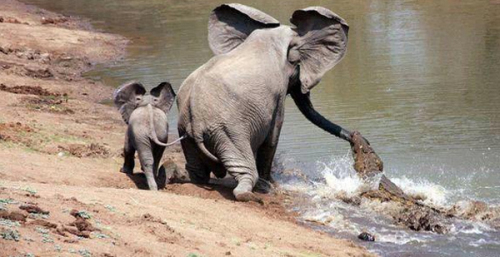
338	180
340	177
401	238
432	194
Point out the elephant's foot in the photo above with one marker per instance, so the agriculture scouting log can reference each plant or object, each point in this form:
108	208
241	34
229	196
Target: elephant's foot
197	179
243	192
151	181
127	170
263	186
247	197
153	187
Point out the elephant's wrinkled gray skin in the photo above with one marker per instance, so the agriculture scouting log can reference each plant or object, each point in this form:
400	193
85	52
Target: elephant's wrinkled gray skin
146	116
232	107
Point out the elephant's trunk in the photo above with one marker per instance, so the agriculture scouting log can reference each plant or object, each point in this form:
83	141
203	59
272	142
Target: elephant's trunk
303	101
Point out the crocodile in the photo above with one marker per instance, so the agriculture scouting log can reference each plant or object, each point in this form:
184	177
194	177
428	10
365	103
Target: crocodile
412	213
368	165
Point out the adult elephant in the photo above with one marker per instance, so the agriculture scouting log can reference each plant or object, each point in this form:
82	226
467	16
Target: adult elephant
231	108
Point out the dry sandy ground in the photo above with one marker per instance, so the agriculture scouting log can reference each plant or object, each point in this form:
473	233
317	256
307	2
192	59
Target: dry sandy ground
60	152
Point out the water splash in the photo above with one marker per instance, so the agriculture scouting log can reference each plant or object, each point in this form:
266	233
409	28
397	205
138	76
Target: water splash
431	194
327	184
338	178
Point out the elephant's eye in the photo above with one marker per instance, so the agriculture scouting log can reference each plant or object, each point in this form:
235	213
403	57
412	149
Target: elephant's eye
138	99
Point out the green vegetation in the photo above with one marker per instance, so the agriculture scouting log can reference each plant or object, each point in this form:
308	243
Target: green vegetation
10	234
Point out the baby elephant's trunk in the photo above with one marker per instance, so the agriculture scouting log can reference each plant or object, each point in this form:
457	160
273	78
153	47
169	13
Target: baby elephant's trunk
154	137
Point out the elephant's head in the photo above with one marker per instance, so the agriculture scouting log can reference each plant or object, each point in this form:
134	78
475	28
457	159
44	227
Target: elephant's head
318	41
314	45
131	95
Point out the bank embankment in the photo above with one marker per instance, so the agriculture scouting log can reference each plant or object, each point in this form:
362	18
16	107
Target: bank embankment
61	192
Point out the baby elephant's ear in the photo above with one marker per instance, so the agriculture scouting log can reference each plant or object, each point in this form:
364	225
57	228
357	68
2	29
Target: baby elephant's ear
163	96
126	98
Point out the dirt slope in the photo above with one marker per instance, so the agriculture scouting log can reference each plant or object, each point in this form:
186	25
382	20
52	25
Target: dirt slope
60	152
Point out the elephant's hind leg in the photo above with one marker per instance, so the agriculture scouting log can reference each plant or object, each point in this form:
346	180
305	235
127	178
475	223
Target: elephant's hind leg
197	170
128	154
160	173
239	161
147	163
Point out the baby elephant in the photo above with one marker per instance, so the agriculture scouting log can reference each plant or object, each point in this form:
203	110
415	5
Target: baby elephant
146	116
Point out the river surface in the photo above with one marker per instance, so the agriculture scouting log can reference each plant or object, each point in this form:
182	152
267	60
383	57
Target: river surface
421	81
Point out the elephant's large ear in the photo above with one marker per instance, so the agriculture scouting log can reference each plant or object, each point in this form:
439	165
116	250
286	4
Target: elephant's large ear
163	96
127	97
321	43
230	24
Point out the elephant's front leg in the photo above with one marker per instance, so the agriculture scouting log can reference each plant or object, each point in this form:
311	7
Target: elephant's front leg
266	153
265	156
147	163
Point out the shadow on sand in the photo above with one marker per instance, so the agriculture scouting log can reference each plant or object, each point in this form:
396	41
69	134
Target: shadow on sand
216	188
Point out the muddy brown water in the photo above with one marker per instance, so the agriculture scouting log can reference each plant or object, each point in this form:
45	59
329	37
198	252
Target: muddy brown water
421	81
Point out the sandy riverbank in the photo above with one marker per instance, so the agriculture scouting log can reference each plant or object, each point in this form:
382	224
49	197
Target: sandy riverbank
60	150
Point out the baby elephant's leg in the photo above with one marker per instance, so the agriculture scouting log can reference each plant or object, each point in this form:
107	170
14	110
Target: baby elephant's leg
147	164
128	154
160	173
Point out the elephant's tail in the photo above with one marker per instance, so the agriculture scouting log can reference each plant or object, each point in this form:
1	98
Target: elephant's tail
154	137
205	151
197	135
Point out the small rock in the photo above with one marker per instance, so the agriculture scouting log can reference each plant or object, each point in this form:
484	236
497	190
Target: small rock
44	223
365	236
14	215
53	21
30	208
